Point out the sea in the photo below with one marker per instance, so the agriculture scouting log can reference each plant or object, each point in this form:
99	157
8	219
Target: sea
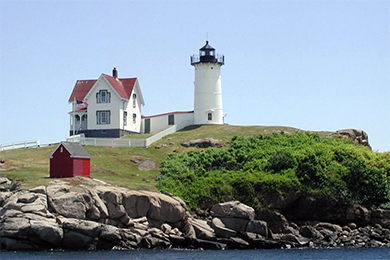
266	254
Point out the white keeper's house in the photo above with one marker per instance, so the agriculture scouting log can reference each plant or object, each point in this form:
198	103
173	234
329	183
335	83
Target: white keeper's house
111	106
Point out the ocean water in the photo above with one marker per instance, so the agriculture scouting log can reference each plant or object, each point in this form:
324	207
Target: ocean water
290	254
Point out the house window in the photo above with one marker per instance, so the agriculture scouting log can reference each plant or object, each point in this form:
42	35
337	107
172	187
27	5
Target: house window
134	100
124	118
209	116
134	118
103	96
77	118
103	117
171	119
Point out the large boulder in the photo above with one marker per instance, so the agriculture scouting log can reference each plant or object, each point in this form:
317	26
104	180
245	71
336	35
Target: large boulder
221	230
258	227
232	209
358	136
67	201
46	232
201	143
202	229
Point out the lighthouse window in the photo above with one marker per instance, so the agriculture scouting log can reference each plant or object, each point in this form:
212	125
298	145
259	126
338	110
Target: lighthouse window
209	116
211	53
202	53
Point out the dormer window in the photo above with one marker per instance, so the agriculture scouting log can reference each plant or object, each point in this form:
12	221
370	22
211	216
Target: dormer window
103	96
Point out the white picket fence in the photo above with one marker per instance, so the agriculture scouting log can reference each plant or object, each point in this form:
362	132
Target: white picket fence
132	142
19	145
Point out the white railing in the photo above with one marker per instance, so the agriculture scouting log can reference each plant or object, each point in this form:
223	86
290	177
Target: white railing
167	131
112	142
133	142
18	145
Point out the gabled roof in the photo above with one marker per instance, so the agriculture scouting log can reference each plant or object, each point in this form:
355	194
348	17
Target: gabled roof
75	150
124	87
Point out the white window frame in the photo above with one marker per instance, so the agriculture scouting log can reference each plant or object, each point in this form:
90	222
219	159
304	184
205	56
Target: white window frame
134	100
134	118
103	117
125	118
103	96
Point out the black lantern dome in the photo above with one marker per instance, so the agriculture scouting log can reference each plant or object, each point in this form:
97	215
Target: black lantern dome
207	54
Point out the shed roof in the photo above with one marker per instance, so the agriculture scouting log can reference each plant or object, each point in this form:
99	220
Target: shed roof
76	150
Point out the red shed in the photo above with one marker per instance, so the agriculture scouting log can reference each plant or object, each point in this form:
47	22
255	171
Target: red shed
69	160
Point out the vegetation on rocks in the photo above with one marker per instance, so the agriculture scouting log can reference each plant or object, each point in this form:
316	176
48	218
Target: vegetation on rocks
258	169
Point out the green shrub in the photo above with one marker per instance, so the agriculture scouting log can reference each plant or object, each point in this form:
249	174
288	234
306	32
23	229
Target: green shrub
284	164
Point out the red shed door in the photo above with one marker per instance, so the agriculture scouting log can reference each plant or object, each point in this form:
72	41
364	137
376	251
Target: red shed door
81	167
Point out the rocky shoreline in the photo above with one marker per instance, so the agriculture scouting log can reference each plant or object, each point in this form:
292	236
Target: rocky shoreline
86	214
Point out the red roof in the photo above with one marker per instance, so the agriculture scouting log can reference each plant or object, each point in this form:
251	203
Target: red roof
124	87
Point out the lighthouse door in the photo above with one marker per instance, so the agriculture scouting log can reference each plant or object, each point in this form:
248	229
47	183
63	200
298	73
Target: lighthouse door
147	126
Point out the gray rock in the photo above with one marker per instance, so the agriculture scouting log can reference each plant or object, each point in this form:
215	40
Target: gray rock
166	228
86	227
50	233
99	204
15	228
113	199
236	224
311	232
39	189
221	230
258	227
329	226
67	201
201	143
233	209
359	136
110	233
202	229
27	197
4	196
74	240
93	213
165	209
12	244
189	232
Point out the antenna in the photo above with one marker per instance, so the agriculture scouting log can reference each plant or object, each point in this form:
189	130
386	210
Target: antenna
207	36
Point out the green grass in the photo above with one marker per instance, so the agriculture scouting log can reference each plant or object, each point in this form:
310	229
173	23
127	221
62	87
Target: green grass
30	166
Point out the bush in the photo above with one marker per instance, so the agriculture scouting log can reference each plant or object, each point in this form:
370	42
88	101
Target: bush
278	164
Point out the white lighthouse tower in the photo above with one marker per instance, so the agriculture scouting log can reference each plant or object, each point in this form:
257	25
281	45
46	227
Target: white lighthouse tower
208	88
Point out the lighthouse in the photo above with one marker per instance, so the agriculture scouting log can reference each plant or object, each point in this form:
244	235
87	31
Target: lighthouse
208	88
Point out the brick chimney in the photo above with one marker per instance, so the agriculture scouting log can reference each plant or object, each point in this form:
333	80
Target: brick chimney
115	73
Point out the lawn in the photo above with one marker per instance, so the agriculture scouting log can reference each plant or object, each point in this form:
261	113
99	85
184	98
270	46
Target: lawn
116	166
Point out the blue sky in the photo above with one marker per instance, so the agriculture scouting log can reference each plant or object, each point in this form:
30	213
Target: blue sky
313	65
